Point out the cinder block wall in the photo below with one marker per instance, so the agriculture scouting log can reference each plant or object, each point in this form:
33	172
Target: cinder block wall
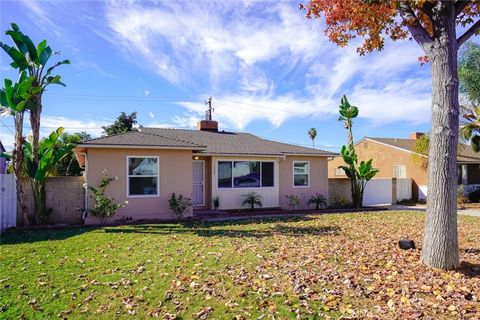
64	194
339	187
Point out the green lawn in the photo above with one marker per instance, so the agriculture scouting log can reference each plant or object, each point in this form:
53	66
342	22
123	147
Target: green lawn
311	267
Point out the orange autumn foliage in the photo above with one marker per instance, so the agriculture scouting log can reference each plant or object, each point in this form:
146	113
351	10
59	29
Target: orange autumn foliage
375	20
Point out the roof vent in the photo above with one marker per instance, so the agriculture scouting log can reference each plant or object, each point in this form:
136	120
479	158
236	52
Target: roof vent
208	124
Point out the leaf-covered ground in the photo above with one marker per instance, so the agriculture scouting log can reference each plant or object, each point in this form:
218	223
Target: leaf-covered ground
333	266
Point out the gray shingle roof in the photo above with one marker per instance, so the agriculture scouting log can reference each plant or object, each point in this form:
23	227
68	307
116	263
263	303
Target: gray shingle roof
143	139
205	142
465	152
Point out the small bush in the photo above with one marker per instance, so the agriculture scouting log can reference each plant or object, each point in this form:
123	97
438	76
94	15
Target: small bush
339	201
179	205
216	202
252	199
318	200
105	206
293	202
462	197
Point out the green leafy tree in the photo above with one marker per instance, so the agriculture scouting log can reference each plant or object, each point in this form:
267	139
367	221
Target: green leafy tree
68	166
358	172
51	150
26	57
312	133
123	123
15	101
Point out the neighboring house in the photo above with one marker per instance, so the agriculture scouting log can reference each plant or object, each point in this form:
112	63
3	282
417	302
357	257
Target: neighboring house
151	163
3	161
395	159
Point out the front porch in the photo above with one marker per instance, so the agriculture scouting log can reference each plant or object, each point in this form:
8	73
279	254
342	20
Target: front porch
468	175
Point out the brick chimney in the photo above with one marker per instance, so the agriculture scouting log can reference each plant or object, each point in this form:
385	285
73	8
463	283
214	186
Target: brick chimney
208	125
416	135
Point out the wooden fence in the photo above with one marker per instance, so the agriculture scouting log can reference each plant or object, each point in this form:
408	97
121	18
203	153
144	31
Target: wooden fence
8	202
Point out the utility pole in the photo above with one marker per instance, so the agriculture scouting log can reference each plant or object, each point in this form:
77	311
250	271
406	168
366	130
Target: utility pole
208	113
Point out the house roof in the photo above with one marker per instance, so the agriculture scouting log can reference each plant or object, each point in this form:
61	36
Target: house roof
465	153
204	142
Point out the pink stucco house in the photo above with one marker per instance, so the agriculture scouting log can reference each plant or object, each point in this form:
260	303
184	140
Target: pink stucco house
151	163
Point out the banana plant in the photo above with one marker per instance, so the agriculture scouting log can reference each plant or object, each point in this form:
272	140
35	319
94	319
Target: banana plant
347	113
15	100
358	172
26	57
51	150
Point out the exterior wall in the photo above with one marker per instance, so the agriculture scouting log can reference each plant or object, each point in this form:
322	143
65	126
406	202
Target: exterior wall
384	158
232	198
339	190
65	195
318	180
175	176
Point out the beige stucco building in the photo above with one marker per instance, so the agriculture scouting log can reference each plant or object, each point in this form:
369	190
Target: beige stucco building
395	158
153	163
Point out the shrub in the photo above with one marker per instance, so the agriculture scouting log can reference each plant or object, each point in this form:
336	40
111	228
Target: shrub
179	205
474	196
462	197
105	206
216	202
293	202
318	200
339	201
252	199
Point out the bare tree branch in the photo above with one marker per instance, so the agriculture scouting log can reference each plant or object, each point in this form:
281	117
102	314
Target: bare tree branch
470	32
416	29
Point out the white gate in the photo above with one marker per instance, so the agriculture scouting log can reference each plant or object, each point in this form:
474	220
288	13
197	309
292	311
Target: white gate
198	196
378	192
8	202
404	189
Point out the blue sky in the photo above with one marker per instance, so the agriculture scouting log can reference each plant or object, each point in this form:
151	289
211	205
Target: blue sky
269	70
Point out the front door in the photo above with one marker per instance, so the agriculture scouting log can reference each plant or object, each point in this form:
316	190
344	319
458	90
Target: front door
198	197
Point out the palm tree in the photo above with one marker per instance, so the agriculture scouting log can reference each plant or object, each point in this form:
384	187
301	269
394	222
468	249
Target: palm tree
15	101
312	133
33	60
252	199
469	76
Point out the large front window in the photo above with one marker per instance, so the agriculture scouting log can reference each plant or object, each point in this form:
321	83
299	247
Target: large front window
301	173
245	174
142	176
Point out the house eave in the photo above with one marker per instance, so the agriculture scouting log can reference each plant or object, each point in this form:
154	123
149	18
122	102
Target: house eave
136	146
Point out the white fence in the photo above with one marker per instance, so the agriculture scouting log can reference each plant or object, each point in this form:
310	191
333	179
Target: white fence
377	192
404	189
8	202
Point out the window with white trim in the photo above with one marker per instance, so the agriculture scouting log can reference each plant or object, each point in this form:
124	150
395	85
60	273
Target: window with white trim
245	174
142	176
301	173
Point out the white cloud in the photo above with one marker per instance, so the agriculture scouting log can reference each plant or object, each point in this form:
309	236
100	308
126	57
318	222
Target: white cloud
151	114
266	61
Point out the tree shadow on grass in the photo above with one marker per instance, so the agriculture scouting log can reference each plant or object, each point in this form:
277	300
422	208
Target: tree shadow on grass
23	236
234	229
254	228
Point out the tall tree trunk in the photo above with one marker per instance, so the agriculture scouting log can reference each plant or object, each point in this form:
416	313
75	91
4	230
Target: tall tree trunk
35	114
17	159
440	244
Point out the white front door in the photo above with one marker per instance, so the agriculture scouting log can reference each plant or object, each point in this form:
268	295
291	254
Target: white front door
198	196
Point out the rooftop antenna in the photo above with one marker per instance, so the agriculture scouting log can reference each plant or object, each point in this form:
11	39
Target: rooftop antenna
208	113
